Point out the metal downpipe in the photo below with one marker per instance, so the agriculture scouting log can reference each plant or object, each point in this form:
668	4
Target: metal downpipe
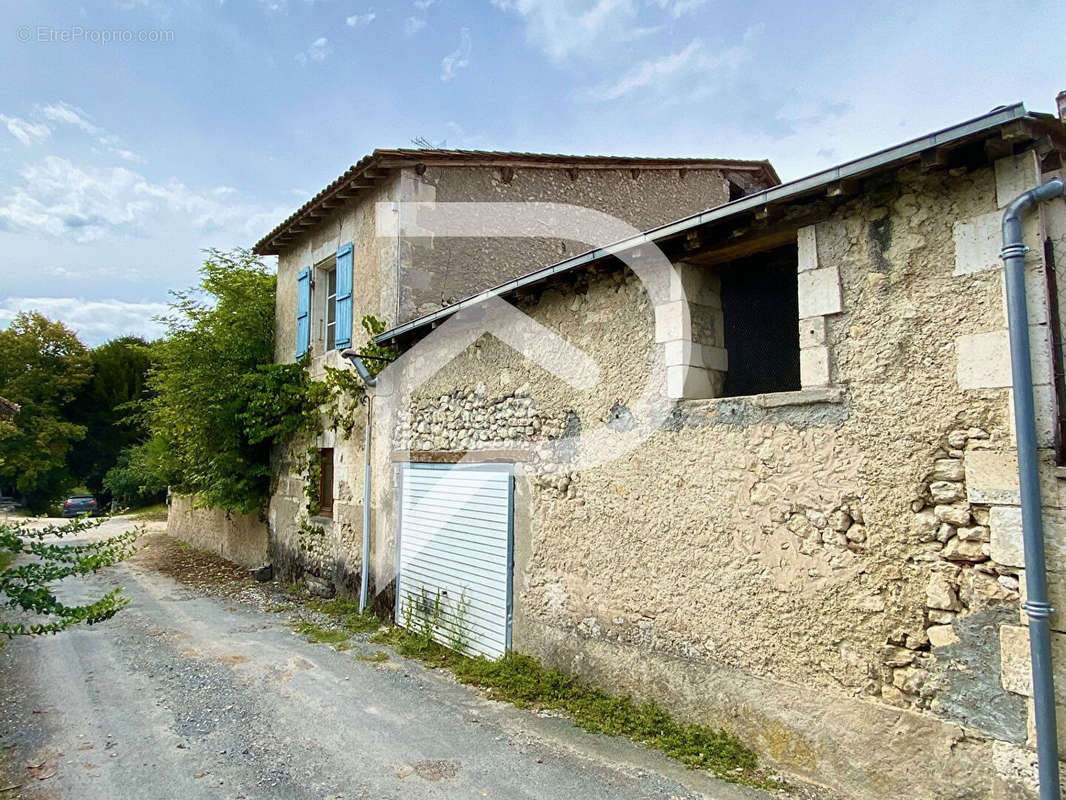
1036	606
370	381
364	583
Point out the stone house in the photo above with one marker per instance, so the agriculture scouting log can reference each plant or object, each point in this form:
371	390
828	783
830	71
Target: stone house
807	528
335	267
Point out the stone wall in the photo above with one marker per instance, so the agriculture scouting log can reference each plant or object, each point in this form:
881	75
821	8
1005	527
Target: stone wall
240	538
396	277
324	551
439	270
832	573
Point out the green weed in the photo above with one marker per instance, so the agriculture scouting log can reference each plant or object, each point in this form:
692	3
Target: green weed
374	658
526	683
314	633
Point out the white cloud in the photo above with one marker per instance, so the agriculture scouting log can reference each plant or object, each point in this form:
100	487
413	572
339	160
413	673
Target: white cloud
422	5
95	321
562	28
64	113
413	25
25	131
457	59
318	51
61	200
689	72
359	20
678	8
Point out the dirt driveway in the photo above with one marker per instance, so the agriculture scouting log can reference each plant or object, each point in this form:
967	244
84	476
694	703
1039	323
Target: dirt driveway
197	690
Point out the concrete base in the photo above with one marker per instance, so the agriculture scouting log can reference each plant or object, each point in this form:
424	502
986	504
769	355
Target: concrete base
862	748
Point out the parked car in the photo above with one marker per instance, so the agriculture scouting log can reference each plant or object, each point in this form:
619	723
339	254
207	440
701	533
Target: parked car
80	504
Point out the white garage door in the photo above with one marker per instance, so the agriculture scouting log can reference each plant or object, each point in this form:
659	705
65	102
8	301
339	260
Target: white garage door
455	555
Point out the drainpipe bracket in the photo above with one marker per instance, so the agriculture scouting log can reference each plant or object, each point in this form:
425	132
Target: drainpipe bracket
1014	250
1038	610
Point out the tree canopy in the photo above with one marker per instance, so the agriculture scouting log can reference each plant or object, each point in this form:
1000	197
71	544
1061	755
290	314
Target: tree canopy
217	403
105	406
43	366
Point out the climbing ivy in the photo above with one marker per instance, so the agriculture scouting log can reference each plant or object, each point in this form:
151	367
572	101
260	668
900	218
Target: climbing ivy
336	399
27	587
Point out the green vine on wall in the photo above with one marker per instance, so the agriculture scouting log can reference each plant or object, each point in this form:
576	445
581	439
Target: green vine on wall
336	399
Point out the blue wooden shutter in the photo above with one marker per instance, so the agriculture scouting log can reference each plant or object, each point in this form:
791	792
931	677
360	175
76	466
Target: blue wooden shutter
303	311
344	296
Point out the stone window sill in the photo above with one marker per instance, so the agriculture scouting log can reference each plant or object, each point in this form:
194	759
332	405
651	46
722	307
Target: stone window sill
802	397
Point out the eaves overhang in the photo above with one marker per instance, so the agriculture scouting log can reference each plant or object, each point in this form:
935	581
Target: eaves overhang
815	184
371	169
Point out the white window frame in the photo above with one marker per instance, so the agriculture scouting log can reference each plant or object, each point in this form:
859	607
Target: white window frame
320	303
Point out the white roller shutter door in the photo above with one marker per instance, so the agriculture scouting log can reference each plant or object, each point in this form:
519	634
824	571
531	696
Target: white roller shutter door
455	554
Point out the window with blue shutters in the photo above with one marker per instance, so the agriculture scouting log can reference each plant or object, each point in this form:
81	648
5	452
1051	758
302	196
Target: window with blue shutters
343	334
303	312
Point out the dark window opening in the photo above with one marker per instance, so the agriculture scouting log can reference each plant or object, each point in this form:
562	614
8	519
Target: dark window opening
325	482
736	191
760	306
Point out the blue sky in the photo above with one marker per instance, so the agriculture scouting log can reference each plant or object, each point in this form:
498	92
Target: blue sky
120	160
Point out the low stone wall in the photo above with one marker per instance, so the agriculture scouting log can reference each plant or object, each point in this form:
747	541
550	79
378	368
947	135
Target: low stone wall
240	538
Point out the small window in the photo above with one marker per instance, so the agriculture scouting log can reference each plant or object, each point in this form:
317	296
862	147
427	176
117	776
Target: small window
760	308
325	482
331	309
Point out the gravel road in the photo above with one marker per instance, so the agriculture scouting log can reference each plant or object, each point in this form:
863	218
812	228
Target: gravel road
187	695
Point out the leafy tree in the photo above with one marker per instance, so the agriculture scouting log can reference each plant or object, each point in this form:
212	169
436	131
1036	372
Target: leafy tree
27	587
140	476
217	402
43	366
104	407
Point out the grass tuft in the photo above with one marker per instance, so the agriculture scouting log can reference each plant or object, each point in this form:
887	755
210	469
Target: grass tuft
314	633
376	657
346	612
526	683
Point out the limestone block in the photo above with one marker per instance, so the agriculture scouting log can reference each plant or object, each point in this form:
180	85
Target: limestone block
814	367
983	359
1015	663
695	285
946	492
1060	725
696	355
673	322
694	383
1005	530
1045	415
992	478
1036	303
941	635
819	292
678	320
954	513
1016	174
940	593
977	243
1014	772
948	469
812	332
965	551
807	249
